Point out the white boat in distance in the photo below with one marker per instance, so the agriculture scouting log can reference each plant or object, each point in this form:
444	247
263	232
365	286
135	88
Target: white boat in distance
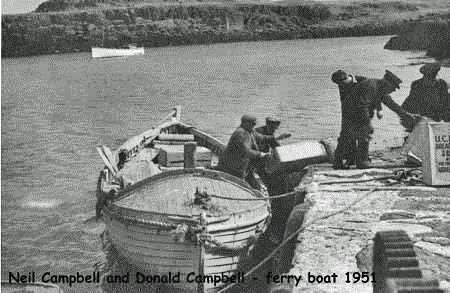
98	52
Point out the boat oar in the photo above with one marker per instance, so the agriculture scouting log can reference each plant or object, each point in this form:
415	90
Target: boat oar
109	165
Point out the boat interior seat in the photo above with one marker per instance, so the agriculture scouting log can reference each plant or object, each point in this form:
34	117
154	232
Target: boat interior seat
172	154
175	137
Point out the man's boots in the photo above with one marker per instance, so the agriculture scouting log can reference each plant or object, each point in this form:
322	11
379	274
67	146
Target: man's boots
362	159
338	162
340	154
351	153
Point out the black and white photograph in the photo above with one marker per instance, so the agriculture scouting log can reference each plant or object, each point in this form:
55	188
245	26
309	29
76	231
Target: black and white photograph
225	146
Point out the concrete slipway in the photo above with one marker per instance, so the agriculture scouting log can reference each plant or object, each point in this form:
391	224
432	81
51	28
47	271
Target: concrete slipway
343	242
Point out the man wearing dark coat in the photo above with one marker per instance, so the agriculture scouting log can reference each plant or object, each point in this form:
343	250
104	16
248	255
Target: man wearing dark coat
271	181
429	95
271	126
346	148
243	147
358	109
277	183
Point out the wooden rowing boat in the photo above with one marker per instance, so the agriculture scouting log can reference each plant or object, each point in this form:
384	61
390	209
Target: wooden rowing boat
167	211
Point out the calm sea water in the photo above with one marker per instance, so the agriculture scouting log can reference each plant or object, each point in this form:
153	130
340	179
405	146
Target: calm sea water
57	108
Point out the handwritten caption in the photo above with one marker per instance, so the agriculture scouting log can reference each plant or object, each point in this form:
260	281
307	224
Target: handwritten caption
191	277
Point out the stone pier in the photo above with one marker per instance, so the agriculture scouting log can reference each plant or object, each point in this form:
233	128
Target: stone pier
342	244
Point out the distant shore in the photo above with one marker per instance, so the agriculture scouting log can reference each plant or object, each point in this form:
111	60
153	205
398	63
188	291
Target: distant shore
76	30
432	37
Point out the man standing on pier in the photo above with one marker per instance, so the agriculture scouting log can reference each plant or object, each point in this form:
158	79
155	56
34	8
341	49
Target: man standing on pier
358	108
346	148
243	146
429	95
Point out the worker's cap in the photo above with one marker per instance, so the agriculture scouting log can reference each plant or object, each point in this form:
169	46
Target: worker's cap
248	118
273	120
430	68
392	79
339	76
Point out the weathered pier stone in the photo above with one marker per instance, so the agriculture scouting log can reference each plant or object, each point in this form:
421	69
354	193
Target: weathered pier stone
342	243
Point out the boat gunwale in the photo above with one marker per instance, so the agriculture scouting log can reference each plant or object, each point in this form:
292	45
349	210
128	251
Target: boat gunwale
149	136
152	132
173	224
156	130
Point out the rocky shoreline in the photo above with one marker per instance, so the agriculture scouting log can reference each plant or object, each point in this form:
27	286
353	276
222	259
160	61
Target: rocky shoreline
202	23
432	37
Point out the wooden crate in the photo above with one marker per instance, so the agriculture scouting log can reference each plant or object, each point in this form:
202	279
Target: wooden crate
173	156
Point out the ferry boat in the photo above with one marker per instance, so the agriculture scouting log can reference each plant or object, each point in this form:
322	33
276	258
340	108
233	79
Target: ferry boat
167	211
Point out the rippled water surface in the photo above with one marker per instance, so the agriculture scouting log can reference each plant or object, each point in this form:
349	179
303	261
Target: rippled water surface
57	108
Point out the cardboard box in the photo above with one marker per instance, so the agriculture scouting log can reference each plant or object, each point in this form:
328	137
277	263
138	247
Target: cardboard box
414	146
436	156
173	156
296	156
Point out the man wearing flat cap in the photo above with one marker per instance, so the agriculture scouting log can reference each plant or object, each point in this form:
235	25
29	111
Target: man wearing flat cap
429	95
346	147
243	146
272	124
358	108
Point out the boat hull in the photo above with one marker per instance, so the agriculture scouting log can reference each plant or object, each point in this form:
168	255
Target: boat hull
110	52
156	252
148	242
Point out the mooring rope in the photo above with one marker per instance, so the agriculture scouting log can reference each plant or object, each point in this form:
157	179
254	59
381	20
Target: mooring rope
303	227
357	181
398	175
297	191
254	199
